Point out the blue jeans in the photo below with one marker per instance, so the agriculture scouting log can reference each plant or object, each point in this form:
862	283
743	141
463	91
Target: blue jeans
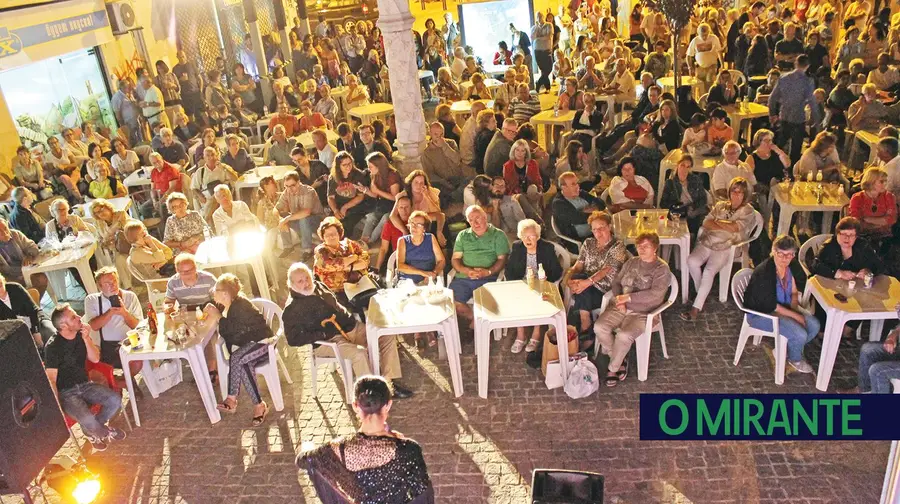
77	401
797	335
304	227
877	367
464	288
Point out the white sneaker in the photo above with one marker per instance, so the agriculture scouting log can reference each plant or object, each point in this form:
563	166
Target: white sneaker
517	346
801	366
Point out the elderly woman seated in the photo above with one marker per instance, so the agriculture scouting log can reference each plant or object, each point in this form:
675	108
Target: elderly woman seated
109	226
184	228
599	261
23	218
375	464
339	260
148	256
530	252
774	289
628	190
639	288
64	224
874	206
684	194
243	328
728	223
523	180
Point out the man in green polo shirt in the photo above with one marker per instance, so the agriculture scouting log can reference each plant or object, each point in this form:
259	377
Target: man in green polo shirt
479	255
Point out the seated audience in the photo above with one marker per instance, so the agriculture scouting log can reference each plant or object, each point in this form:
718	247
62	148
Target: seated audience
63	224
279	147
324	150
424	197
820	156
441	161
149	257
684	194
523	178
171	149
782	275
639	288
696	133
479	255
769	165
718	132
236	156
110	314
243	328
207	177
728	223
628	190
345	195
64	359
524	105
315	313
879	364
485	128
232	216
419	256
725	92
165	179
384	185
504	211
17	251
112	248
338	260
530	252
326	104
298	208
376	463
184	230
286	119
874	205
124	161
571	208
726	171
390	235
18	304
106	185
23	218
478	90
369	144
577	161
499	148
29	173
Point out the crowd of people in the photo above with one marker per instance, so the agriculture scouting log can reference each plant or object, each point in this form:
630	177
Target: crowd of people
492	201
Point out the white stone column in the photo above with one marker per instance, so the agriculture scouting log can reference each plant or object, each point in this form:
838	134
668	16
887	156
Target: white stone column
396	24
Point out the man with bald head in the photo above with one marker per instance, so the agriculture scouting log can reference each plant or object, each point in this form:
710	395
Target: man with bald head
498	150
479	255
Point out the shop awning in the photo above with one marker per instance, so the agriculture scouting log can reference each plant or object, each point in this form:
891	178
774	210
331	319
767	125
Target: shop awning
35	33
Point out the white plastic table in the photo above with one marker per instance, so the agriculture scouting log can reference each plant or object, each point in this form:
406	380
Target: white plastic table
547	119
391	312
263	122
138	178
250	179
625	228
74	256
340	97
491	84
122	204
740	113
798	197
875	304
499	305
702	164
162	348
245	248
460	109
668	84
367	113
306	139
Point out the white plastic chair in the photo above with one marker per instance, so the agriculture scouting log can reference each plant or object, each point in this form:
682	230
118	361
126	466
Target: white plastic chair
561	236
702	101
738	78
156	287
814	245
269	370
739	252
340	362
738	286
392	264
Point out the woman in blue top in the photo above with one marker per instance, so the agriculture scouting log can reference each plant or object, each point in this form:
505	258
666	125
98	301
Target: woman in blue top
419	255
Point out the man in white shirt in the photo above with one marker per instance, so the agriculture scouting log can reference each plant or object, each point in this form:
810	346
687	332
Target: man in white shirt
885	78
111	313
622	85
888	154
325	150
152	104
729	168
232	216
703	53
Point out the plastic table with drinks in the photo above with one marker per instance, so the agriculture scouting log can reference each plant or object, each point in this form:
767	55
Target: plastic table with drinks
368	113
702	164
462	108
250	178
875	303
547	120
75	255
740	112
802	197
668	84
518	303
138	178
410	310
122	204
244	248
163	346
306	139
671	232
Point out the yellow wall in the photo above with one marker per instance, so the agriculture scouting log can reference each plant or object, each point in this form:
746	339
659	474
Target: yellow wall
9	138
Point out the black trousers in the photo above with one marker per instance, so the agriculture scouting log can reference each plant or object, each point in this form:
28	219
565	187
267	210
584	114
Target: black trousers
544	61
793	133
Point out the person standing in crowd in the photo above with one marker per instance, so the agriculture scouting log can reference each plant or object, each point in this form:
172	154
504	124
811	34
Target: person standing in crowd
542	37
787	106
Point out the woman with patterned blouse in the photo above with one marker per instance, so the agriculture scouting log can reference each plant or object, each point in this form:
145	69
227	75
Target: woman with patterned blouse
337	259
108	223
184	228
592	274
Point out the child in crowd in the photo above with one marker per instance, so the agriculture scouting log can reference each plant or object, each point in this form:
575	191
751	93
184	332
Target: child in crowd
697	131
719	131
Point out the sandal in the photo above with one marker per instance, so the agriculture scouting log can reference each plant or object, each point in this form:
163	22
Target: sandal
532	345
227	407
214	377
612	379
259	419
622	373
688	316
432	341
517	346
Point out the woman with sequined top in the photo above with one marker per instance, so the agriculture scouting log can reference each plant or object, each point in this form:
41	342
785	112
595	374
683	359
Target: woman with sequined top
373	466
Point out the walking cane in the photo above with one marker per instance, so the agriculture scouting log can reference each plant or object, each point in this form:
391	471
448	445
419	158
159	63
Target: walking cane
333	320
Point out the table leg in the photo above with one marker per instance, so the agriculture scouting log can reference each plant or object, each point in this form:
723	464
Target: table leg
372	347
562	343
262	281
483	351
833	325
875	328
87	276
827	218
451	340
204	385
684	248
784	220
126	370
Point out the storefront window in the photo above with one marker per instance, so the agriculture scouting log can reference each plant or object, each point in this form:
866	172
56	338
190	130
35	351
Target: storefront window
56	93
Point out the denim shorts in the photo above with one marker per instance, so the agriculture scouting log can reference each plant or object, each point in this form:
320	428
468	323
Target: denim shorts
464	288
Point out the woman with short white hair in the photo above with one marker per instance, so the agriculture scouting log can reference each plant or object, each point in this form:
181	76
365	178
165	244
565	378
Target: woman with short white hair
231	216
530	252
64	224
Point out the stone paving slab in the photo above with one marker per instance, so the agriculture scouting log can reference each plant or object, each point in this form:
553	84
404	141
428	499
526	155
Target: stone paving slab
484	450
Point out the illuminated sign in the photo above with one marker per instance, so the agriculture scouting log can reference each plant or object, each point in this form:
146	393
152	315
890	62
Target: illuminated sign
14	41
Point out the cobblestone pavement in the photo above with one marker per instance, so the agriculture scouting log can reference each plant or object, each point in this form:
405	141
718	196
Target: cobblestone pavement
484	450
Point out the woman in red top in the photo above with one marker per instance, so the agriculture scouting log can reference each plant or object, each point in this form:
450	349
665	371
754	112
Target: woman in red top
523	177
503	56
874	206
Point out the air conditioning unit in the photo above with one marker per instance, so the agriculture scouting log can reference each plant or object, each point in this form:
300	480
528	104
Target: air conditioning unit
122	18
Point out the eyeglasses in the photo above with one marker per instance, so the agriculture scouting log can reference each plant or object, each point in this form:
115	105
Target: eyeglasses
785	255
848	236
416	225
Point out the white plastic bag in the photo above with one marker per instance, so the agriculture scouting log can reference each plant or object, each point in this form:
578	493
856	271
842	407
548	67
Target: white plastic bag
583	379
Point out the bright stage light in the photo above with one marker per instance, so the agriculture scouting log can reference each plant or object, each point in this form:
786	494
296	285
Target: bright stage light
86	492
72	480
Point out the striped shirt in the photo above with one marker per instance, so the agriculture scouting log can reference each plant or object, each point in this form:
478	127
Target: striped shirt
198	294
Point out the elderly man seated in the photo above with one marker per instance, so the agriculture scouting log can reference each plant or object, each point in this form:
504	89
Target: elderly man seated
209	175
232	216
279	147
18	304
868	112
728	169
639	288
191	288
172	149
571	208
16	252
313	313
879	363
479	255
111	313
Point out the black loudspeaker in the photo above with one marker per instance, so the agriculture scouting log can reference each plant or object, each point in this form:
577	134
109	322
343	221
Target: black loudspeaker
32	428
250	11
280	18
559	486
